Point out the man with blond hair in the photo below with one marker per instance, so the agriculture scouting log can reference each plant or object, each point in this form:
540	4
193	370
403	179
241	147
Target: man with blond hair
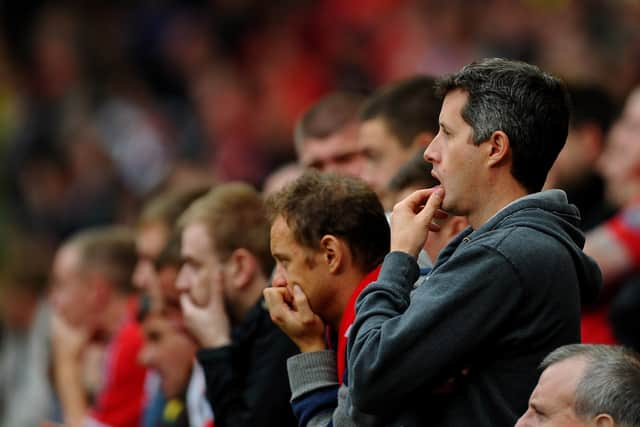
226	266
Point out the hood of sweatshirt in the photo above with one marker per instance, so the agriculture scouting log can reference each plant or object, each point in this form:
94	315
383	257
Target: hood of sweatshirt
550	212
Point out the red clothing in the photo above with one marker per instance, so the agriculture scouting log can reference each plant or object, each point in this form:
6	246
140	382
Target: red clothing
120	402
595	326
348	317
625	227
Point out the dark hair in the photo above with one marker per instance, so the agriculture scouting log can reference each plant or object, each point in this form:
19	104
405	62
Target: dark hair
416	172
330	114
610	383
408	107
530	106
317	204
591	103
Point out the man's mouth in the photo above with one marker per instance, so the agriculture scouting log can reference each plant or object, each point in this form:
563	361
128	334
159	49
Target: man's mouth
434	174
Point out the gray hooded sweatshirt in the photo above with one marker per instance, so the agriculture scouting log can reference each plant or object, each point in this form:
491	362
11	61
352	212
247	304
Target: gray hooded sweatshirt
463	347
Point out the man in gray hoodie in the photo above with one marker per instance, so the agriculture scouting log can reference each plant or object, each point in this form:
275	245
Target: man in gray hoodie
502	294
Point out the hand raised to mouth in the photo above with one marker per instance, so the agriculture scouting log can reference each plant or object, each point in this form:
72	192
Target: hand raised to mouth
412	219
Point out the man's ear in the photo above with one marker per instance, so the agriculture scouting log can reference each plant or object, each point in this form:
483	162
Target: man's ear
241	266
604	420
98	287
332	252
591	140
498	147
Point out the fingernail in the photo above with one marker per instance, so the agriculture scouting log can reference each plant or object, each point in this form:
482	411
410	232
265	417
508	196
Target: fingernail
297	290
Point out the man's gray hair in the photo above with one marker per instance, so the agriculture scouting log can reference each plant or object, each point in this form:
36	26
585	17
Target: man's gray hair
610	383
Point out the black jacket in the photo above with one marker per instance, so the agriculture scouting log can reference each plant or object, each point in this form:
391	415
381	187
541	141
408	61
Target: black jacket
247	382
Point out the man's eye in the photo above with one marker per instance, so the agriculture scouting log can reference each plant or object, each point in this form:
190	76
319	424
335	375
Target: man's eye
153	336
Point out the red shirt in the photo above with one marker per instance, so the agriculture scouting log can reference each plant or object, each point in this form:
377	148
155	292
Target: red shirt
120	401
348	317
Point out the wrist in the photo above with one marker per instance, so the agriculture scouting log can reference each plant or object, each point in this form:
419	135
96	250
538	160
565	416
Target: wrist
310	346
216	341
404	249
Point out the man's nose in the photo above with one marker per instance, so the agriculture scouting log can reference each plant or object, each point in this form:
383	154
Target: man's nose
522	421
279	279
182	282
429	152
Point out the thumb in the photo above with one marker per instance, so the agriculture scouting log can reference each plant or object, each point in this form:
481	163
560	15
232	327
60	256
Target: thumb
433	204
187	305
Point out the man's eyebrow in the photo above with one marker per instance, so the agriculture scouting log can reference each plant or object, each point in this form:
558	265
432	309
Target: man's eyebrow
444	126
278	256
315	164
187	259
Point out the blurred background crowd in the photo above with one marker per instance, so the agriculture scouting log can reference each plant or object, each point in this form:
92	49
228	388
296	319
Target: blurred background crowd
104	104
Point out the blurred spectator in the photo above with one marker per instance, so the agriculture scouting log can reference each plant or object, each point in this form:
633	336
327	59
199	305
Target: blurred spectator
219	85
281	177
574	170
226	265
156	225
169	351
92	301
396	121
26	394
155	247
326	136
615	244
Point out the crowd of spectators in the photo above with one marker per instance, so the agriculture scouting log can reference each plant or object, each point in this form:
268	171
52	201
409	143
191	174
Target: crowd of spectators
103	103
123	113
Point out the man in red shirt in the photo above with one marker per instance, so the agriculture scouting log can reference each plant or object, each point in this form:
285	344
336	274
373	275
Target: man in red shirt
328	236
94	304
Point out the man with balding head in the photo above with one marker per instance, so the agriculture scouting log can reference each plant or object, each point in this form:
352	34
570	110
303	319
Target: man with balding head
326	136
586	385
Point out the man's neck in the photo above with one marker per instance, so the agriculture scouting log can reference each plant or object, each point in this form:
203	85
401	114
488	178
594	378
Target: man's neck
241	308
345	286
505	192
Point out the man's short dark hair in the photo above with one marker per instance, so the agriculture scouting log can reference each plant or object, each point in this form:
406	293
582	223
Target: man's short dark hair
610	383
529	105
329	115
408	107
317	204
591	104
416	172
